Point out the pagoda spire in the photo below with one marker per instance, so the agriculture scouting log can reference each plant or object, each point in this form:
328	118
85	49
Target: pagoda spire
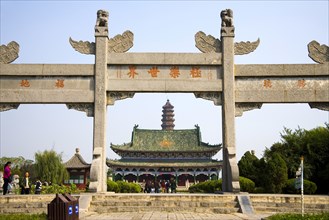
168	117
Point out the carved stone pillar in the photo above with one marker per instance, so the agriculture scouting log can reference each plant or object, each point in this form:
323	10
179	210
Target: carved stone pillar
230	174
98	166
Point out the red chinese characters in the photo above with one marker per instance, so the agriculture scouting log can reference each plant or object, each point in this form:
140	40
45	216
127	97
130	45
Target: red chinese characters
132	71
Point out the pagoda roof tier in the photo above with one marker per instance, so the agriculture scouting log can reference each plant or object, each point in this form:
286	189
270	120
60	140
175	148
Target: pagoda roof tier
145	140
124	163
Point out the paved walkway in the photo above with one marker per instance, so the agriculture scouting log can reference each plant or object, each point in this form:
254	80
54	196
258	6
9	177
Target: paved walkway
170	216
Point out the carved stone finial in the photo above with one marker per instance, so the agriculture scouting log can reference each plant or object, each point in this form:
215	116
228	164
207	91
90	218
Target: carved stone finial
318	53
227	29
101	27
227	18
102	18
9	53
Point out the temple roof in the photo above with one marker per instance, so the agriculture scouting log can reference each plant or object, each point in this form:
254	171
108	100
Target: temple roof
77	161
188	140
163	163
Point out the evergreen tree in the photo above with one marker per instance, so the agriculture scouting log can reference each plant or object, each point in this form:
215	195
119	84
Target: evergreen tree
247	166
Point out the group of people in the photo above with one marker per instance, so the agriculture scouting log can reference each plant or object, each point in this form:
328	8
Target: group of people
165	186
24	183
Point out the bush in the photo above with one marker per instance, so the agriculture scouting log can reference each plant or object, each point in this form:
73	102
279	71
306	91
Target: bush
123	187
209	186
60	189
246	185
309	187
112	186
298	216
42	216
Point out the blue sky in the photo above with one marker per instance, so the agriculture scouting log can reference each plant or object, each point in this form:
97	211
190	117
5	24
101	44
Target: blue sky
43	28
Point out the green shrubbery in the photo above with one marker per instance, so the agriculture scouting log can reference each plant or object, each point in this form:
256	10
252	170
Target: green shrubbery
123	187
206	187
246	185
60	189
42	216
309	187
212	186
322	216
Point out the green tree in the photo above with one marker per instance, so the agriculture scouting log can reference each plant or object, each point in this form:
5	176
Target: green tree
277	174
247	166
314	146
49	167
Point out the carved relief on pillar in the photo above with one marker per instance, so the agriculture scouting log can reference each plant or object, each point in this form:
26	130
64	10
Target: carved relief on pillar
318	53
9	53
216	97
243	107
88	108
114	96
320	105
7	107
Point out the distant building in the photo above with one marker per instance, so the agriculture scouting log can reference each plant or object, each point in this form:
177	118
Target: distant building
78	170
166	154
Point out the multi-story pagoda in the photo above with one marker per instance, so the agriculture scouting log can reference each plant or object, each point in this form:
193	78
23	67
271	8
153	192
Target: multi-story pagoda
166	154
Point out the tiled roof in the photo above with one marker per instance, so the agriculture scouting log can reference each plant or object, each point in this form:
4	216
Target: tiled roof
164	163
166	141
77	161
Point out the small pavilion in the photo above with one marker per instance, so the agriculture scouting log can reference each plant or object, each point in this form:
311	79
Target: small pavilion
166	154
78	169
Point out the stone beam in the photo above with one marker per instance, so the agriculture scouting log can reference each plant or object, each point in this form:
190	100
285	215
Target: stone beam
46	83
163	85
267	70
166	59
46	69
46	89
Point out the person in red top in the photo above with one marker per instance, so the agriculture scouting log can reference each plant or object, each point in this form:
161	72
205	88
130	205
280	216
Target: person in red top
6	177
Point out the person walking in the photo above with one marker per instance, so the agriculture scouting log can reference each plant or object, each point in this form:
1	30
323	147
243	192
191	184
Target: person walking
6	177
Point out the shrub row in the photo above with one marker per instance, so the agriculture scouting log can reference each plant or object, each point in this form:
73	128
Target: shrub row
123	187
212	186
247	185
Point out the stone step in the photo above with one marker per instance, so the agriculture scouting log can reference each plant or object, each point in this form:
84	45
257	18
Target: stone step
107	209
167	198
164	203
